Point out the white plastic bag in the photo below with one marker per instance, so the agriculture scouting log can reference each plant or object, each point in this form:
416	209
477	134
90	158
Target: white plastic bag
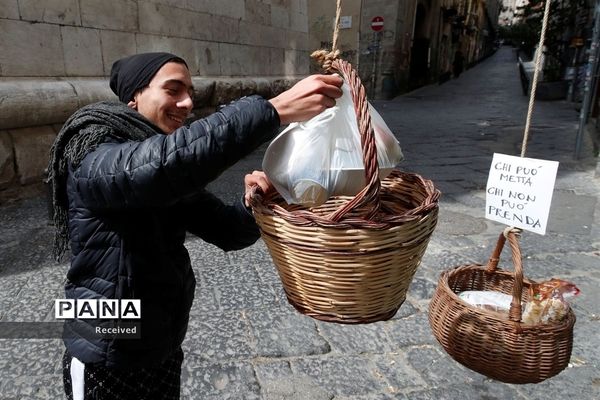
311	161
487	299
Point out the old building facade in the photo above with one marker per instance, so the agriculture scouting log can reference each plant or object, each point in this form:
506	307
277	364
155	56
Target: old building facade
417	43
56	55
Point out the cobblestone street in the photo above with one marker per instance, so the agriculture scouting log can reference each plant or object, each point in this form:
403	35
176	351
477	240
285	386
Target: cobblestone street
246	342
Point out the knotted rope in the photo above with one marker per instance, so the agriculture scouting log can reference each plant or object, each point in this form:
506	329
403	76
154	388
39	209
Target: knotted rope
323	57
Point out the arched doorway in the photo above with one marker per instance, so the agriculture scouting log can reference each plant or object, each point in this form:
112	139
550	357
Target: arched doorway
419	54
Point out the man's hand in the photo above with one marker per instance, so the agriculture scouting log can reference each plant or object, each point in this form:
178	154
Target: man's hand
256	178
307	98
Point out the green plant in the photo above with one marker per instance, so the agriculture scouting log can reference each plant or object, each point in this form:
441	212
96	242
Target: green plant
562	24
522	35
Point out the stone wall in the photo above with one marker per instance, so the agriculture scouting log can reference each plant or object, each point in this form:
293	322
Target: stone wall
56	56
57	38
378	50
33	111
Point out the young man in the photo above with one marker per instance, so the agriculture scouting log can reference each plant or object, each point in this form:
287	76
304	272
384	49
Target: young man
128	183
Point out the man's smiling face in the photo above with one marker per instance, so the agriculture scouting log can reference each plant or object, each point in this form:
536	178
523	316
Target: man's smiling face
167	100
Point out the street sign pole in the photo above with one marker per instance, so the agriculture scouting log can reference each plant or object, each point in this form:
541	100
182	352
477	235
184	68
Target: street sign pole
376	26
373	73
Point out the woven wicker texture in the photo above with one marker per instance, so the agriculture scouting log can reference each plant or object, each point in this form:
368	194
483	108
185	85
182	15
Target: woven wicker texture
351	259
497	344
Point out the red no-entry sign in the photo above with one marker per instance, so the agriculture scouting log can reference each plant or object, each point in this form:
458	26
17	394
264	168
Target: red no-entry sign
377	24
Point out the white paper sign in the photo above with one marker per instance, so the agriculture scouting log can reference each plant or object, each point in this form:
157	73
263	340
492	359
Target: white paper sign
346	22
519	191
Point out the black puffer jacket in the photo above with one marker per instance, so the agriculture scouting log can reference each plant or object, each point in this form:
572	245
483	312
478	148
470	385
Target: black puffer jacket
130	205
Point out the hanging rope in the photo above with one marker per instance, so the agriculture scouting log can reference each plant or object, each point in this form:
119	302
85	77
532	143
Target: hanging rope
536	72
323	57
336	27
538	63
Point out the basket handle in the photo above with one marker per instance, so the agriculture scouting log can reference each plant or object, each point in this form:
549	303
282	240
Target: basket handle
368	197
512	235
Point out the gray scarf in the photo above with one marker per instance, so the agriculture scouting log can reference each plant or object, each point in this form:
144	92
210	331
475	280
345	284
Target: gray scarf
80	135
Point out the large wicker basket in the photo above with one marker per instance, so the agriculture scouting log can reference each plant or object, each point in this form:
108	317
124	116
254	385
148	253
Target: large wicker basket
497	344
351	259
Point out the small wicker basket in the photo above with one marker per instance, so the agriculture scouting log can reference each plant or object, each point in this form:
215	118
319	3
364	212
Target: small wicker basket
492	343
351	259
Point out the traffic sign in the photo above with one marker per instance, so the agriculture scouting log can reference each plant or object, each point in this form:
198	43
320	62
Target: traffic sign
377	24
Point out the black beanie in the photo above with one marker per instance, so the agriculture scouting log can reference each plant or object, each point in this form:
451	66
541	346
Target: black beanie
130	74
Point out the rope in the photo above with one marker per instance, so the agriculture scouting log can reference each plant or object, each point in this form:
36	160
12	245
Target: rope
326	58
538	62
536	71
511	229
336	27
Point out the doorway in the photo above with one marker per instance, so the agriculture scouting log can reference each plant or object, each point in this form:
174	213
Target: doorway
419	54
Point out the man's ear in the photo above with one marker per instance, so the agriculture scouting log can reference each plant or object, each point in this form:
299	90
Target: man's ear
132	104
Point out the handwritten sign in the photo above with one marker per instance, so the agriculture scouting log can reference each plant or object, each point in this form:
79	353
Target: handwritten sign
519	192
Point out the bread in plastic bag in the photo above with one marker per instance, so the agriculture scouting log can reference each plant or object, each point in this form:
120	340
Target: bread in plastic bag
548	301
311	161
